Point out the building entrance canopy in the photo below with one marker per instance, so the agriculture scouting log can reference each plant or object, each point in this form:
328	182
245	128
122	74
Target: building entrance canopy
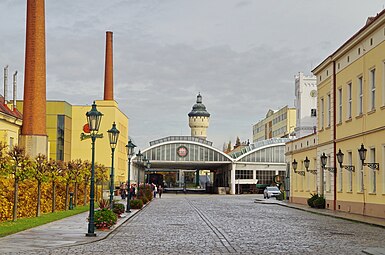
259	161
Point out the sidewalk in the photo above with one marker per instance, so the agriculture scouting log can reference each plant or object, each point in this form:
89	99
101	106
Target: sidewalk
336	214
379	222
65	232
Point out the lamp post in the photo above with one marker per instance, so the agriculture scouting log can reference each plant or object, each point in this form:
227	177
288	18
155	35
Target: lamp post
138	160
113	135
307	164
130	152
148	166
94	118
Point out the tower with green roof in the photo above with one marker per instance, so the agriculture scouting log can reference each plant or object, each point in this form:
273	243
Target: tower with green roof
199	119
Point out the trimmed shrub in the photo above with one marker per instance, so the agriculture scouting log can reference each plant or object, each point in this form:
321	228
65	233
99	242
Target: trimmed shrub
105	218
118	209
310	200
280	196
136	204
319	202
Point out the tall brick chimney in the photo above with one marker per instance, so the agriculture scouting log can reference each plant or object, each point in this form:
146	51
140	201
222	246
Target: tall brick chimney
109	69
34	134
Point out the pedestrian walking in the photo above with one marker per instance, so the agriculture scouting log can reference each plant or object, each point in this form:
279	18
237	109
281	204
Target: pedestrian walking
155	191
160	191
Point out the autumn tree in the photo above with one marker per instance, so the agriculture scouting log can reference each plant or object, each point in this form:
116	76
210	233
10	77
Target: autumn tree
75	166
20	168
40	173
55	169
68	178
86	173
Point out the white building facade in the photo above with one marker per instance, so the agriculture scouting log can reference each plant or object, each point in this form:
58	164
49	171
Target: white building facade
305	104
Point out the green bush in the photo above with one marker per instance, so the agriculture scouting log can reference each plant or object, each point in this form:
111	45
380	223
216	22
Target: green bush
136	204
310	201
280	196
105	218
319	202
118	209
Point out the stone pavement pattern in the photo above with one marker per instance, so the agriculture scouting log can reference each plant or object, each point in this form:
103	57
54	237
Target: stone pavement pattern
212	224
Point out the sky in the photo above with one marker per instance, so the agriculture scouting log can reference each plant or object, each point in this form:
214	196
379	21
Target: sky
241	55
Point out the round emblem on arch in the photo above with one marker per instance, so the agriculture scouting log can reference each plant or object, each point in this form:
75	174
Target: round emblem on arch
182	151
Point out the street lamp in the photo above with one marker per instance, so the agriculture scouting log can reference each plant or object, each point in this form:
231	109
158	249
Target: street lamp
307	164
130	152
113	135
324	160
138	161
94	117
362	151
148	166
340	159
295	165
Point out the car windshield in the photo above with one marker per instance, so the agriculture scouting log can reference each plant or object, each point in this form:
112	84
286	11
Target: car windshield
272	189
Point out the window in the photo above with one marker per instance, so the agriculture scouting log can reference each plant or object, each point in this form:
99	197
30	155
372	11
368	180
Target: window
322	114
349	101
244	174
371	41
348	59
313	113
340	175
359	51
11	142
339	105
329	110
383	83
350	173
60	138
372	89
372	174
360	96
360	176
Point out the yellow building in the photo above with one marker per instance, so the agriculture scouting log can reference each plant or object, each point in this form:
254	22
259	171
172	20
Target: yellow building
276	124
10	123
351	110
82	149
303	181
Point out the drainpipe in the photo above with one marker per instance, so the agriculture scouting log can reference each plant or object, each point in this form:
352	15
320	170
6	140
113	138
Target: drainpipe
334	135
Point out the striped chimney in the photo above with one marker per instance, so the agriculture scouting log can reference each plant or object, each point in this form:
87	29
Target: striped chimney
109	69
34	107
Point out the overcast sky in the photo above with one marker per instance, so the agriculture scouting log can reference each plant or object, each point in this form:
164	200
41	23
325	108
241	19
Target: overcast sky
241	55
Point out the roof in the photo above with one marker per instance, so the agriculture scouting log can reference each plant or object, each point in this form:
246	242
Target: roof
199	109
5	110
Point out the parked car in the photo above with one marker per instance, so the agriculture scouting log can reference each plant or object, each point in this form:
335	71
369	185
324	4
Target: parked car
272	191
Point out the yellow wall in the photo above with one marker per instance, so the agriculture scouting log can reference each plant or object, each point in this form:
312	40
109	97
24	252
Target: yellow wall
9	129
82	149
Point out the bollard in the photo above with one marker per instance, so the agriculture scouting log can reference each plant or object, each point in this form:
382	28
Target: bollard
71	206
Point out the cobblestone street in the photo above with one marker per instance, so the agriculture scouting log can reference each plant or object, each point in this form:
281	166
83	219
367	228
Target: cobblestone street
212	224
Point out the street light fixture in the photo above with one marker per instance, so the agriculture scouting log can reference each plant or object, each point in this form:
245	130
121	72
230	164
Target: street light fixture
148	166
295	165
340	159
113	135
307	164
362	152
138	161
324	160
94	117
130	152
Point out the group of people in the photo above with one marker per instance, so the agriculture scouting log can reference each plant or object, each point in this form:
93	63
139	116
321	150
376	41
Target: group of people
134	189
157	190
124	192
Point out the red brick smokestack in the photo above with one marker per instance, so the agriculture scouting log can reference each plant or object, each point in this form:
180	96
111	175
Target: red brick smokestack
109	69
34	107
